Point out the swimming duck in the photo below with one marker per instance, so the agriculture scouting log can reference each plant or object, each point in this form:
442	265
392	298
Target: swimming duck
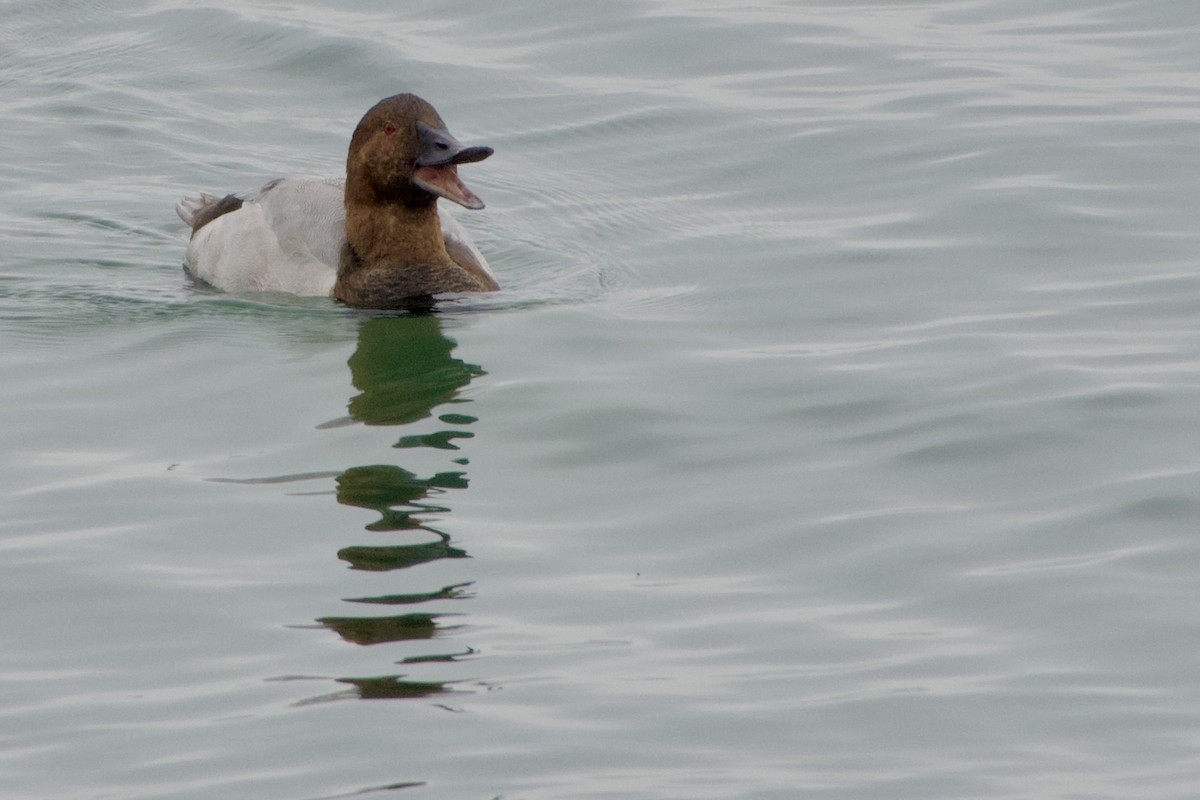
372	240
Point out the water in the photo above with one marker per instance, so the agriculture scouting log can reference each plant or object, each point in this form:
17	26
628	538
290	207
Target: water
835	434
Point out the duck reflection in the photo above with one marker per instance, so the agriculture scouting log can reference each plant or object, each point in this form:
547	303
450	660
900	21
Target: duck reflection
403	369
387	687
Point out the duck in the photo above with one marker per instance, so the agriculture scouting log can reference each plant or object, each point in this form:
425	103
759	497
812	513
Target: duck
373	239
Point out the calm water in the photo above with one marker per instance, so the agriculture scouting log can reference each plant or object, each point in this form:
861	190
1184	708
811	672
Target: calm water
836	435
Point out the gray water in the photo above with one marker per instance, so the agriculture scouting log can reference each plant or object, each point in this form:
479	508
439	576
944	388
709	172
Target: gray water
836	433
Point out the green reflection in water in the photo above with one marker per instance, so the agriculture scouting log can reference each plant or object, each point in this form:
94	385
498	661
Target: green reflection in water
400	556
455	592
440	440
377	630
382	687
381	487
470	651
392	687
403	369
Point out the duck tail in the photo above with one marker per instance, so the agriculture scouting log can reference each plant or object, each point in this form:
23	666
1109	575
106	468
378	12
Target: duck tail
196	212
188	207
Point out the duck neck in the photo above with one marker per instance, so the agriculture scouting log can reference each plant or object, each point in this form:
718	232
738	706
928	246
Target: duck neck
394	250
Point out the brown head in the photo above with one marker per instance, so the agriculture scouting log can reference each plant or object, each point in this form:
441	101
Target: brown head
402	153
401	160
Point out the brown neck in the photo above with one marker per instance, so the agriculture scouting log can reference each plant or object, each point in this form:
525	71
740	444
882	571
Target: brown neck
393	251
394	231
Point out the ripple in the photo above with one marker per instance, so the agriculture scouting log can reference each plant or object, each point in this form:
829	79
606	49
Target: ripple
1088	561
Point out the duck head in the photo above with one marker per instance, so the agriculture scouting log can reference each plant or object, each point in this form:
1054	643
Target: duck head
401	152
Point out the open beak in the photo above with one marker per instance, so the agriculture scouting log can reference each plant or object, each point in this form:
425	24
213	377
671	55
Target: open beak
437	166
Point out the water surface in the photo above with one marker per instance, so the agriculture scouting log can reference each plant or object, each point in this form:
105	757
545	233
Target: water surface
835	434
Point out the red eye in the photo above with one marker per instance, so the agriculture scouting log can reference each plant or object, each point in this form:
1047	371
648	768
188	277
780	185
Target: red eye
389	129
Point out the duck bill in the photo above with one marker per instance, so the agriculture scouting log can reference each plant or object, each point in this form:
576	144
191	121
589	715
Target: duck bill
442	180
437	166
